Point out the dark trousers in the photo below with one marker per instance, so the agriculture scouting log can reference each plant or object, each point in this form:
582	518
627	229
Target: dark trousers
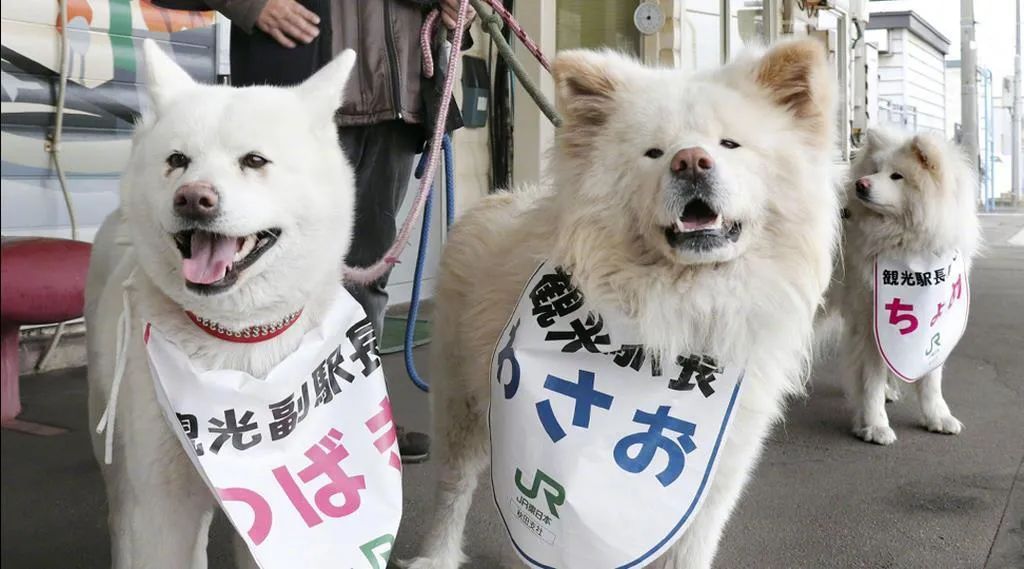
382	156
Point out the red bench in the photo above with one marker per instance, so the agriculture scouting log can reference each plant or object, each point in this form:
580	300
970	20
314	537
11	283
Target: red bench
42	281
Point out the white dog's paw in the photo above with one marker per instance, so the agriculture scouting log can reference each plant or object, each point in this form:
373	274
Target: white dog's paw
426	563
878	434
947	424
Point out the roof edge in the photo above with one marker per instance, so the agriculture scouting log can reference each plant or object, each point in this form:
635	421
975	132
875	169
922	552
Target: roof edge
912	21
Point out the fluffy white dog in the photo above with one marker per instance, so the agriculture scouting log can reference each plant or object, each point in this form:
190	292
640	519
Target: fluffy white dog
236	207
699	205
909	194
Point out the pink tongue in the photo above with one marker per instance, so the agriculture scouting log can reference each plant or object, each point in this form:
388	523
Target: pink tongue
699	223
211	257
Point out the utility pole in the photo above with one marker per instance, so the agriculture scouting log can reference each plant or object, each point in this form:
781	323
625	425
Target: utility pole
968	82
1017	108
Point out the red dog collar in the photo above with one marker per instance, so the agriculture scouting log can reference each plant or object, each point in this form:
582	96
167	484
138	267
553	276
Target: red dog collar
250	335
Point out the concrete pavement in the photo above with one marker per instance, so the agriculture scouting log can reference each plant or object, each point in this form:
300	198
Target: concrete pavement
819	499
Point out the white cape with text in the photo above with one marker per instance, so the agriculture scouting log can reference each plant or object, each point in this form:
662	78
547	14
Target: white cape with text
601	453
304	461
921	306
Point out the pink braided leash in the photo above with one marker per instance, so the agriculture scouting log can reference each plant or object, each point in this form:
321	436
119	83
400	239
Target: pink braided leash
427	32
366	275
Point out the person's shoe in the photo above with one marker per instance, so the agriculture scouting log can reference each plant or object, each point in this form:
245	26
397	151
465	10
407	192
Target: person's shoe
414	447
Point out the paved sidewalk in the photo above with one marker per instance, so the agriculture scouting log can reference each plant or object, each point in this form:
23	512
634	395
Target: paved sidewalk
819	499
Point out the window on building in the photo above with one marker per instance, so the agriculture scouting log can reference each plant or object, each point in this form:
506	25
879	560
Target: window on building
596	24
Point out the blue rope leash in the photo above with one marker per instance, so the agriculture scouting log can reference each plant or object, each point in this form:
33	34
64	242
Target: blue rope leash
421	256
449	179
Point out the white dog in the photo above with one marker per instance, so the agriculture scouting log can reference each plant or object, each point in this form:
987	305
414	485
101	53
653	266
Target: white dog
909	195
700	206
238	208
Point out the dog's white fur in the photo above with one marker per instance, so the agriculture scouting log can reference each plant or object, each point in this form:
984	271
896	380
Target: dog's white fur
160	510
932	208
751	302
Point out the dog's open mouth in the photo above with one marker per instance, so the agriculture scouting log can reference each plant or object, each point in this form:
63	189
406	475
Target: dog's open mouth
701	228
211	262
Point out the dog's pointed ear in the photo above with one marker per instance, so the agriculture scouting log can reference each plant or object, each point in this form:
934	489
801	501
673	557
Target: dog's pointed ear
797	77
878	138
927	149
585	85
323	90
164	77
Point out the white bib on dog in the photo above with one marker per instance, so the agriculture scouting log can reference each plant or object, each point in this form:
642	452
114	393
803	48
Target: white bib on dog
920	313
601	455
304	461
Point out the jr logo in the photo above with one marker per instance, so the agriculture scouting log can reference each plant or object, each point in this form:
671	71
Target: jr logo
554	495
378	550
935	343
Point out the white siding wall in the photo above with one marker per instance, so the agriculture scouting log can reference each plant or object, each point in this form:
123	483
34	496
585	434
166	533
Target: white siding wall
926	87
913	74
891	75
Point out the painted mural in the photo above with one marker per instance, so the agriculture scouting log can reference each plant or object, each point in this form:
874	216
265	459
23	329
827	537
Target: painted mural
103	99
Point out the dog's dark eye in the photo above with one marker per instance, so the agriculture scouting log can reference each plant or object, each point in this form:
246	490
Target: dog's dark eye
896	176
729	143
654	153
178	160
253	160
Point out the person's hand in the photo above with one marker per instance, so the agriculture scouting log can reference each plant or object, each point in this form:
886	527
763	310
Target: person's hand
287	21
450	13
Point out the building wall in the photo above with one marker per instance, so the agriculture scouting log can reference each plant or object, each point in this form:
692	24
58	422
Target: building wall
925	81
471	145
702	34
532	131
891	73
865	91
912	73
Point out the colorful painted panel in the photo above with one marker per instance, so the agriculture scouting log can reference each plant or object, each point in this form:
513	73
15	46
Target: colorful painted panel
103	98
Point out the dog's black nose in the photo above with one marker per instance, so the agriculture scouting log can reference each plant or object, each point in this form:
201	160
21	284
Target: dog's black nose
692	162
198	201
863	186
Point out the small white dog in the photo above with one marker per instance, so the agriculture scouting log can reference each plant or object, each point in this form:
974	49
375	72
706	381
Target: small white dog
909	195
238	208
700	206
